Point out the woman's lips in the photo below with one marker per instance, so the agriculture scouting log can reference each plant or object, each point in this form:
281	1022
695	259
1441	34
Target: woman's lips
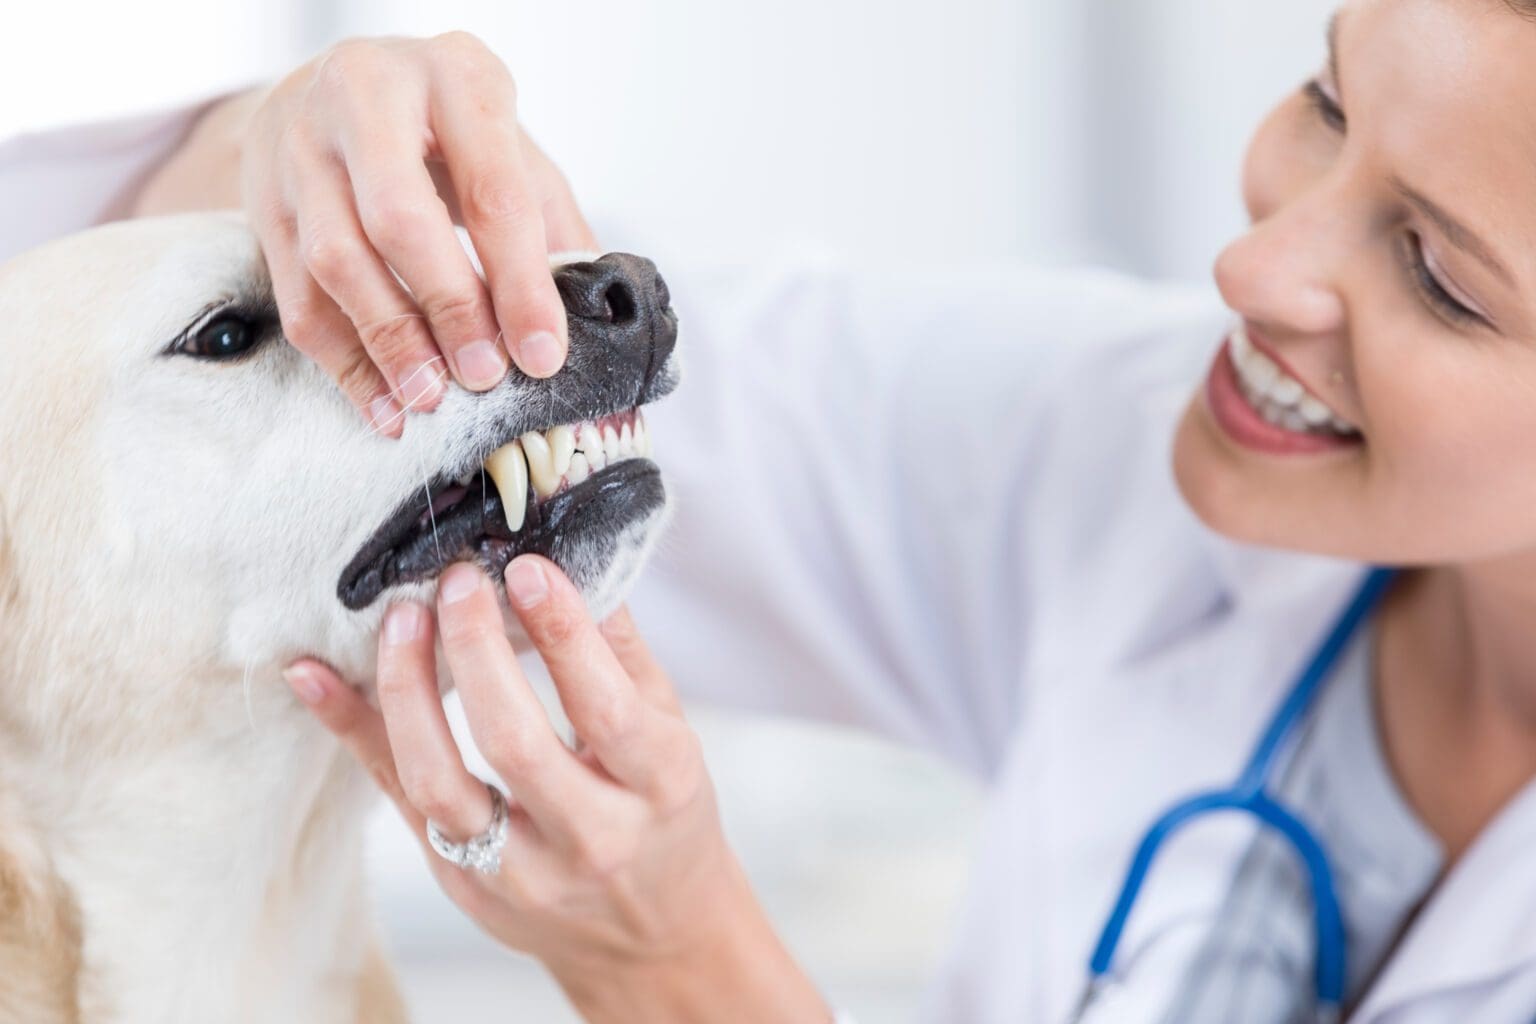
1241	422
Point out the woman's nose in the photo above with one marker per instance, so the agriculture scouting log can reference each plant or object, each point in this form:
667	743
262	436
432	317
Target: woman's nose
1286	270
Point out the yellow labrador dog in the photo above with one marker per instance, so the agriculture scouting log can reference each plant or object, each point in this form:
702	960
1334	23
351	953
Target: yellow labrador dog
187	504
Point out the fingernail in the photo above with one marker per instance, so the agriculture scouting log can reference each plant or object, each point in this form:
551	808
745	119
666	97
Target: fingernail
459	582
385	411
402	623
526	584
481	364
422	386
540	354
304	683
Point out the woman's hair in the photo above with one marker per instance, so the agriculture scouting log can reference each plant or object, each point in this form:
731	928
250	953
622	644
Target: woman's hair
1524	8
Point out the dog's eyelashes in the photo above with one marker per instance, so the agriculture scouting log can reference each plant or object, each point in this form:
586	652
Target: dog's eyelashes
224	337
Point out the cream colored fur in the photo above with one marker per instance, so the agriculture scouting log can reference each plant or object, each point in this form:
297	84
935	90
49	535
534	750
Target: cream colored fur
179	841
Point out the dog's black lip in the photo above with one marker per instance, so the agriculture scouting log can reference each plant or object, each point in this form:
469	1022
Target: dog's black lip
475	527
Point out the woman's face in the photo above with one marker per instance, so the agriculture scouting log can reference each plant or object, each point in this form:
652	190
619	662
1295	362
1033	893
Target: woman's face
1391	267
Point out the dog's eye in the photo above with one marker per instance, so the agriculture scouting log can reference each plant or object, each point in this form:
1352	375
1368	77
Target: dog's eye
223	337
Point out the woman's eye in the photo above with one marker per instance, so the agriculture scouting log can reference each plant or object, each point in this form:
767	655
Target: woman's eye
223	337
1327	108
1429	287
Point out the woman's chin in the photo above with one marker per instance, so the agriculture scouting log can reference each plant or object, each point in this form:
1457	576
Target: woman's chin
1230	496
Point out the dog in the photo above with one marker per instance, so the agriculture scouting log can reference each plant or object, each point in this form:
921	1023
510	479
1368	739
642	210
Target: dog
186	505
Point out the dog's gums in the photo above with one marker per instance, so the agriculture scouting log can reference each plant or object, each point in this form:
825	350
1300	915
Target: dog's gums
563	456
474	517
475	526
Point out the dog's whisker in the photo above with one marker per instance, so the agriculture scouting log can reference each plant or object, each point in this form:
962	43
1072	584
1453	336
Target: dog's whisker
442	375
245	685
391	319
426	491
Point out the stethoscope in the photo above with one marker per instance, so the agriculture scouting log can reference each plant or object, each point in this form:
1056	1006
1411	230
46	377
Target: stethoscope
1250	795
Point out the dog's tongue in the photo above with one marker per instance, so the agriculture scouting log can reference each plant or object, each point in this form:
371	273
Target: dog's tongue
508	469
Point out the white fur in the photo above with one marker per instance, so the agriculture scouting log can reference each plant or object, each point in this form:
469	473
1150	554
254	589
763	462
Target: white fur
171	535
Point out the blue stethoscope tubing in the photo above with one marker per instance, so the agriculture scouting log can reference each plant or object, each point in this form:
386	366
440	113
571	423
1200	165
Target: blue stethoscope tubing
1250	795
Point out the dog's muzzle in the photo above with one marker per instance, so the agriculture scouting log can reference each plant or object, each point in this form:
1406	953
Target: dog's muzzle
546	486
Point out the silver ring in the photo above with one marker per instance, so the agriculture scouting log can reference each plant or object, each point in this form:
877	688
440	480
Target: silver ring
483	852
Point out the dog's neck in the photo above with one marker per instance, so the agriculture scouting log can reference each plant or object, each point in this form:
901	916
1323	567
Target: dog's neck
216	868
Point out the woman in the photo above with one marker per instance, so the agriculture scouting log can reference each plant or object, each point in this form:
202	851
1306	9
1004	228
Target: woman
943	509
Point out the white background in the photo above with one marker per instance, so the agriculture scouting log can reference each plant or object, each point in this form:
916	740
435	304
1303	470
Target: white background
896	132
1057	130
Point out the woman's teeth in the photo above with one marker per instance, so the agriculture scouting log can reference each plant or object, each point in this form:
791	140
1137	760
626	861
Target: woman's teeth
1278	397
562	457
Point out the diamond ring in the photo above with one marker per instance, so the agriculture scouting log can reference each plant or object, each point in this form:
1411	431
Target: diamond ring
483	852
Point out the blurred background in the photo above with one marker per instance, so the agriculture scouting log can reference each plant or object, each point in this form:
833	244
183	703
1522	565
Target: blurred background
1057	131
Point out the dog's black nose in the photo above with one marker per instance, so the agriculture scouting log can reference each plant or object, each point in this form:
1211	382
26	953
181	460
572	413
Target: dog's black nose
620	301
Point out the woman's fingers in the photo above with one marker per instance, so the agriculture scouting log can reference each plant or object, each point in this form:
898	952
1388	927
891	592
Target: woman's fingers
631	739
335	181
432	772
474	112
342	259
360	728
630	649
407	222
505	717
316	326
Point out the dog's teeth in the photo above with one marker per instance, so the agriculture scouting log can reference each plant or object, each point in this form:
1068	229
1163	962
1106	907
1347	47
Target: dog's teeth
580	469
591	444
562	443
642	438
541	464
626	441
509	470
610	443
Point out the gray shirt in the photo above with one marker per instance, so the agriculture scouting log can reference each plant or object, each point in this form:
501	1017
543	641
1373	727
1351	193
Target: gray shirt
1256	966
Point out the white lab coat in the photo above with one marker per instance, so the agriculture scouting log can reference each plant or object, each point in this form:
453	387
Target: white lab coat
941	506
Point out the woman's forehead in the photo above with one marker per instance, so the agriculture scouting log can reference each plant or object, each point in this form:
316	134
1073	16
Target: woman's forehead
1442	95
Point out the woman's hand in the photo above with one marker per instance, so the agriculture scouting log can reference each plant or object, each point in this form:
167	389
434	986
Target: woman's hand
359	163
615	873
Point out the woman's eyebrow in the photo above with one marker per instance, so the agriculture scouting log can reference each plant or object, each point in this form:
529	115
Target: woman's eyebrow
1457	233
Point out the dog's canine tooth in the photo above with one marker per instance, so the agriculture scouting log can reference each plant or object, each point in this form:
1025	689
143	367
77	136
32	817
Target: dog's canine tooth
508	468
541	464
610	443
626	440
642	438
562	442
591	444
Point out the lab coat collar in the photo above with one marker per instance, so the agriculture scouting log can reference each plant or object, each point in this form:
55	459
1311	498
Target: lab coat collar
1478	926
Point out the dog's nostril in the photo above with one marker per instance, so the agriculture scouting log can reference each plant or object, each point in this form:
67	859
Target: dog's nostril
618	303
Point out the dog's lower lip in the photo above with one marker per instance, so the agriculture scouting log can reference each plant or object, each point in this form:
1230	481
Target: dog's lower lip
476	528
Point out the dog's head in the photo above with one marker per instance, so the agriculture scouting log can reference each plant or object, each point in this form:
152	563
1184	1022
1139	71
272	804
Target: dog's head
181	490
